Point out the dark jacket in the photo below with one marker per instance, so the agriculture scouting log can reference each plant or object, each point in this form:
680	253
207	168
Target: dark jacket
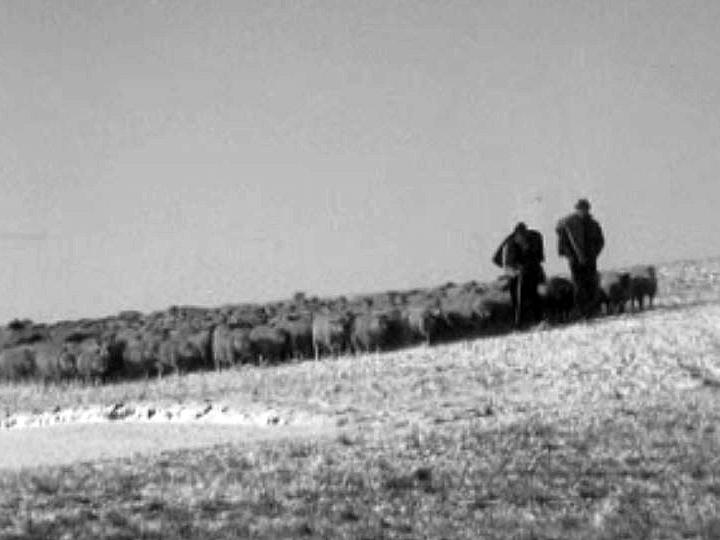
529	255
580	239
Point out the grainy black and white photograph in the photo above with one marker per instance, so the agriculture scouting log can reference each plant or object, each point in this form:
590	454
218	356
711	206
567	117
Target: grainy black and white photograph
374	269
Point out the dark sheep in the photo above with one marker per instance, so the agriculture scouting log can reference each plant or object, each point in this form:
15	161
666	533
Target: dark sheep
182	351
643	283
614	291
138	352
494	311
558	299
269	344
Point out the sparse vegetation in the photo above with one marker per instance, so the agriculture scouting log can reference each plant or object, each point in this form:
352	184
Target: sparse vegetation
652	474
185	339
600	430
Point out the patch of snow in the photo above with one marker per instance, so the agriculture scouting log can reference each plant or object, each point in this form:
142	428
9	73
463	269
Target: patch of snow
184	413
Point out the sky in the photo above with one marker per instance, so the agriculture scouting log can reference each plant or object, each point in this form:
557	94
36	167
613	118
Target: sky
189	152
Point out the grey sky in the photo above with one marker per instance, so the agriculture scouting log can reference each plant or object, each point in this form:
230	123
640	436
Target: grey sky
162	153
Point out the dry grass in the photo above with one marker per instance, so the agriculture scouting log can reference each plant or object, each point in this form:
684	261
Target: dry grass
652	474
685	288
655	351
600	430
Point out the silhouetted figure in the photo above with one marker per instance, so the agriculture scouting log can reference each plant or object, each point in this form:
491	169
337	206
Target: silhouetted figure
580	240
521	255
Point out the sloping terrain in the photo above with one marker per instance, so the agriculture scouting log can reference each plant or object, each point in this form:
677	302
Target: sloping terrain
133	345
604	429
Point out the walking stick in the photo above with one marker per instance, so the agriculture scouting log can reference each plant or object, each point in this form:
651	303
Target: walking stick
518	295
578	253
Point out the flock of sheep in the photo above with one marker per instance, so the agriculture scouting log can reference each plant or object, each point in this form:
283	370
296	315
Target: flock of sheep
181	339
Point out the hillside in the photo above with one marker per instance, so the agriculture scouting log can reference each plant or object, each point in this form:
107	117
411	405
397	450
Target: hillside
134	345
604	429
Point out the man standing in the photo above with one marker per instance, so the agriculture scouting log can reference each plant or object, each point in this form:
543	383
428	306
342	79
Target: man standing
580	240
521	255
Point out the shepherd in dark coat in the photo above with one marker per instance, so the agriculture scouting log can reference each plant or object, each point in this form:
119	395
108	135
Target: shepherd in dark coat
580	240
521	255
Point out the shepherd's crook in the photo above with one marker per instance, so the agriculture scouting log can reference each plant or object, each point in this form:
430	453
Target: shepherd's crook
518	296
578	253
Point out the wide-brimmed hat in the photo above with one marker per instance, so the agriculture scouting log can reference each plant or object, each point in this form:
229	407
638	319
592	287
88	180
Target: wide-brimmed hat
582	204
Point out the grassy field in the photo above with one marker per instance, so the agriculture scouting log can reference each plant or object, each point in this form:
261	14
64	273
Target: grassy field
607	429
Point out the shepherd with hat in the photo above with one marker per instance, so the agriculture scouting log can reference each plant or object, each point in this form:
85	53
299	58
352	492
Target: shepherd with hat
580	240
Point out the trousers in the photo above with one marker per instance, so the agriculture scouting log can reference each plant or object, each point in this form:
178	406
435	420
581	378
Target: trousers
586	281
526	302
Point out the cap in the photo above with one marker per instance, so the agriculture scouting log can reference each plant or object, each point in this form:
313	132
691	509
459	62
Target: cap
520	227
582	204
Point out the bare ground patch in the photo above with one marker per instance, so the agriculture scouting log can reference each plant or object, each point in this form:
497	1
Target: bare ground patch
62	437
75	443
